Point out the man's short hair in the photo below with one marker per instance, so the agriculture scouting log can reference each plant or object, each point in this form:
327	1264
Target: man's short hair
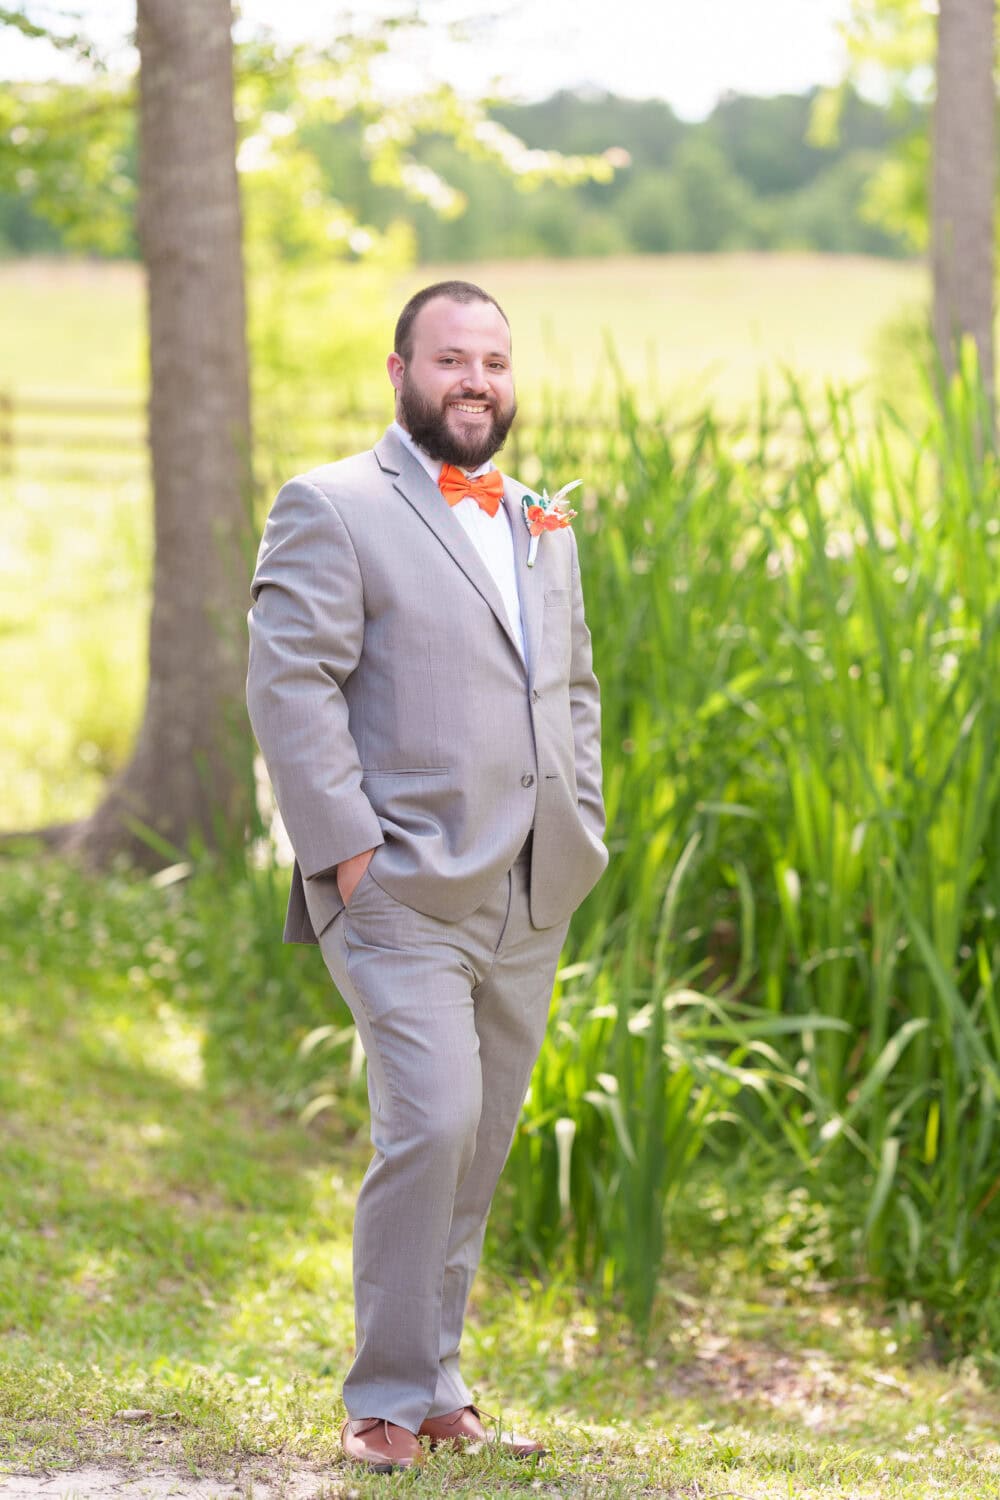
455	291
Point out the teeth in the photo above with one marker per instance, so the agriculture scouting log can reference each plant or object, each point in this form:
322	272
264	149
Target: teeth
468	406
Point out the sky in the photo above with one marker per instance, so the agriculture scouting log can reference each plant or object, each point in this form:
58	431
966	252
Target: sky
688	52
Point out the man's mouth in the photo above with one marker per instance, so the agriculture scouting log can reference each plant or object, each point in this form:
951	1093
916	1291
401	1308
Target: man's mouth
471	408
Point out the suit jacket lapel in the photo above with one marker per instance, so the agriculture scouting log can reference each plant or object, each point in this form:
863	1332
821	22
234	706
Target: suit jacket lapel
411	480
530	581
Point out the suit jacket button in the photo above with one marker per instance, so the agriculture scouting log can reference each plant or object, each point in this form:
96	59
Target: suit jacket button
527	779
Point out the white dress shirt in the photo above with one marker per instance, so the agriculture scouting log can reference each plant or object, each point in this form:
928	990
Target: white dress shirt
490	535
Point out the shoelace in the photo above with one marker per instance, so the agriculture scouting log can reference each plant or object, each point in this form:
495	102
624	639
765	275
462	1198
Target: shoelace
372	1423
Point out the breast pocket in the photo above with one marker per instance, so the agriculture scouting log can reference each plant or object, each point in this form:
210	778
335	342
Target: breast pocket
556	634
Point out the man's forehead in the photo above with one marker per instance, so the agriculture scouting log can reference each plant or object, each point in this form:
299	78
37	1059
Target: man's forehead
449	324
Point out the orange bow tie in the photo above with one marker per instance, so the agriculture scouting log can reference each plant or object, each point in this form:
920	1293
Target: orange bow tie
487	490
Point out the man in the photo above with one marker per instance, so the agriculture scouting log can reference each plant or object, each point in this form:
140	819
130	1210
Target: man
430	720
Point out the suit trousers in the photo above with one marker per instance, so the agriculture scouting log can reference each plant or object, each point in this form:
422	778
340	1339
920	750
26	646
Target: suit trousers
451	1016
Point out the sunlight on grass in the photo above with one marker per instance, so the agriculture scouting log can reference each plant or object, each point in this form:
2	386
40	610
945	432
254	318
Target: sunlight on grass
169	1044
692	325
689	328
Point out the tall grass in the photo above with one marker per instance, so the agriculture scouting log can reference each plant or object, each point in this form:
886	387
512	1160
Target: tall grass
792	962
787	981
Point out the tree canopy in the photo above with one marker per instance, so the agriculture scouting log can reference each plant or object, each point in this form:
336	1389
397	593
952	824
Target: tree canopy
326	166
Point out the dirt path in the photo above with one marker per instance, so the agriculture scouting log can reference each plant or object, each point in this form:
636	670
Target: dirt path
94	1482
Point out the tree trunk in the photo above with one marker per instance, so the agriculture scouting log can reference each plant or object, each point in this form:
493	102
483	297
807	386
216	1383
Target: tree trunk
189	773
963	183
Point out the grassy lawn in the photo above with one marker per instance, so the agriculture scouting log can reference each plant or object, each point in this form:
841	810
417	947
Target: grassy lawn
175	1241
71	326
687	327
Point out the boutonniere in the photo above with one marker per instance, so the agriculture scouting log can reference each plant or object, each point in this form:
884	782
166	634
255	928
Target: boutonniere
545	513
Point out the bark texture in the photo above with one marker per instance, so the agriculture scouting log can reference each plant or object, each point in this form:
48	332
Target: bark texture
188	773
963	181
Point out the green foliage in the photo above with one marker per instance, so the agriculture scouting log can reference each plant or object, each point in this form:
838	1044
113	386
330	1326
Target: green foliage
794	954
648	214
329	169
766	141
68	151
31	21
733	181
897	38
894	42
67	159
827	210
897	195
713	206
591	121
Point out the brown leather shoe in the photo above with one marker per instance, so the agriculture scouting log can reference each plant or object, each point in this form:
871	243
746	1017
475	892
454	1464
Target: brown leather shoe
457	1428
380	1445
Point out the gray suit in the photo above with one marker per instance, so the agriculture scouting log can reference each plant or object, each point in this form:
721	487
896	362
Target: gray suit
395	712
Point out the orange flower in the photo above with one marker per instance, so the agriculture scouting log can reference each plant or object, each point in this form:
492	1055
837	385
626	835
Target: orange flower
545	514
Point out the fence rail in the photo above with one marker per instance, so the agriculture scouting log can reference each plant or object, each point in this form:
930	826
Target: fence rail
77	437
90	435
90	432
73	436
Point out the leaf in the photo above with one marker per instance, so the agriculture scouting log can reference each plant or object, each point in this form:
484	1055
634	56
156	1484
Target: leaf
883	1182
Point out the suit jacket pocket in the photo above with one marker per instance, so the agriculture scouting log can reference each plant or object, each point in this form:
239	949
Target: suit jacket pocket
557	631
323	902
409	803
405	771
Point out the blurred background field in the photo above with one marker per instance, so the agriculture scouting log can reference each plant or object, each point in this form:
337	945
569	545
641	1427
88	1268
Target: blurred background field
683	328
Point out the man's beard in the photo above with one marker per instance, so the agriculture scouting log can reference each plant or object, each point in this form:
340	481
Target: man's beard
427	425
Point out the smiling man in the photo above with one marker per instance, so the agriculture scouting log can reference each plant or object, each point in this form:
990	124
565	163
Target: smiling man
426	706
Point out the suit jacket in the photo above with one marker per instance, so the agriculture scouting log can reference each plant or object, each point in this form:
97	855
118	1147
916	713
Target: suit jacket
394	710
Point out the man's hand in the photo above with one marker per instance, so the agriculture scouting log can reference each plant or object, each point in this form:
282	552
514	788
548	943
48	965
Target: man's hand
349	873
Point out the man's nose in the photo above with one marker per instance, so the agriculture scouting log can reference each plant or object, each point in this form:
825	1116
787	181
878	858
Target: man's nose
474	378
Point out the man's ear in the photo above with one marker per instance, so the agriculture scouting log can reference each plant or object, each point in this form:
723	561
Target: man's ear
396	369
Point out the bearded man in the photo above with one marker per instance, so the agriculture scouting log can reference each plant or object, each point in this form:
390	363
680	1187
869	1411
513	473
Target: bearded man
427	709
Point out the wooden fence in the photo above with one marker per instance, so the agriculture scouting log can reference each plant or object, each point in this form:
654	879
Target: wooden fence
70	437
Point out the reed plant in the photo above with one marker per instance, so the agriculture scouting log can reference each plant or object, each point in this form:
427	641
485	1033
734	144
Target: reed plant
793	958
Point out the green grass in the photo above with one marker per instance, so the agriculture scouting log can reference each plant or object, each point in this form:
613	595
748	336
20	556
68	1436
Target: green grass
174	1240
74	567
692	328
790	969
72	327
